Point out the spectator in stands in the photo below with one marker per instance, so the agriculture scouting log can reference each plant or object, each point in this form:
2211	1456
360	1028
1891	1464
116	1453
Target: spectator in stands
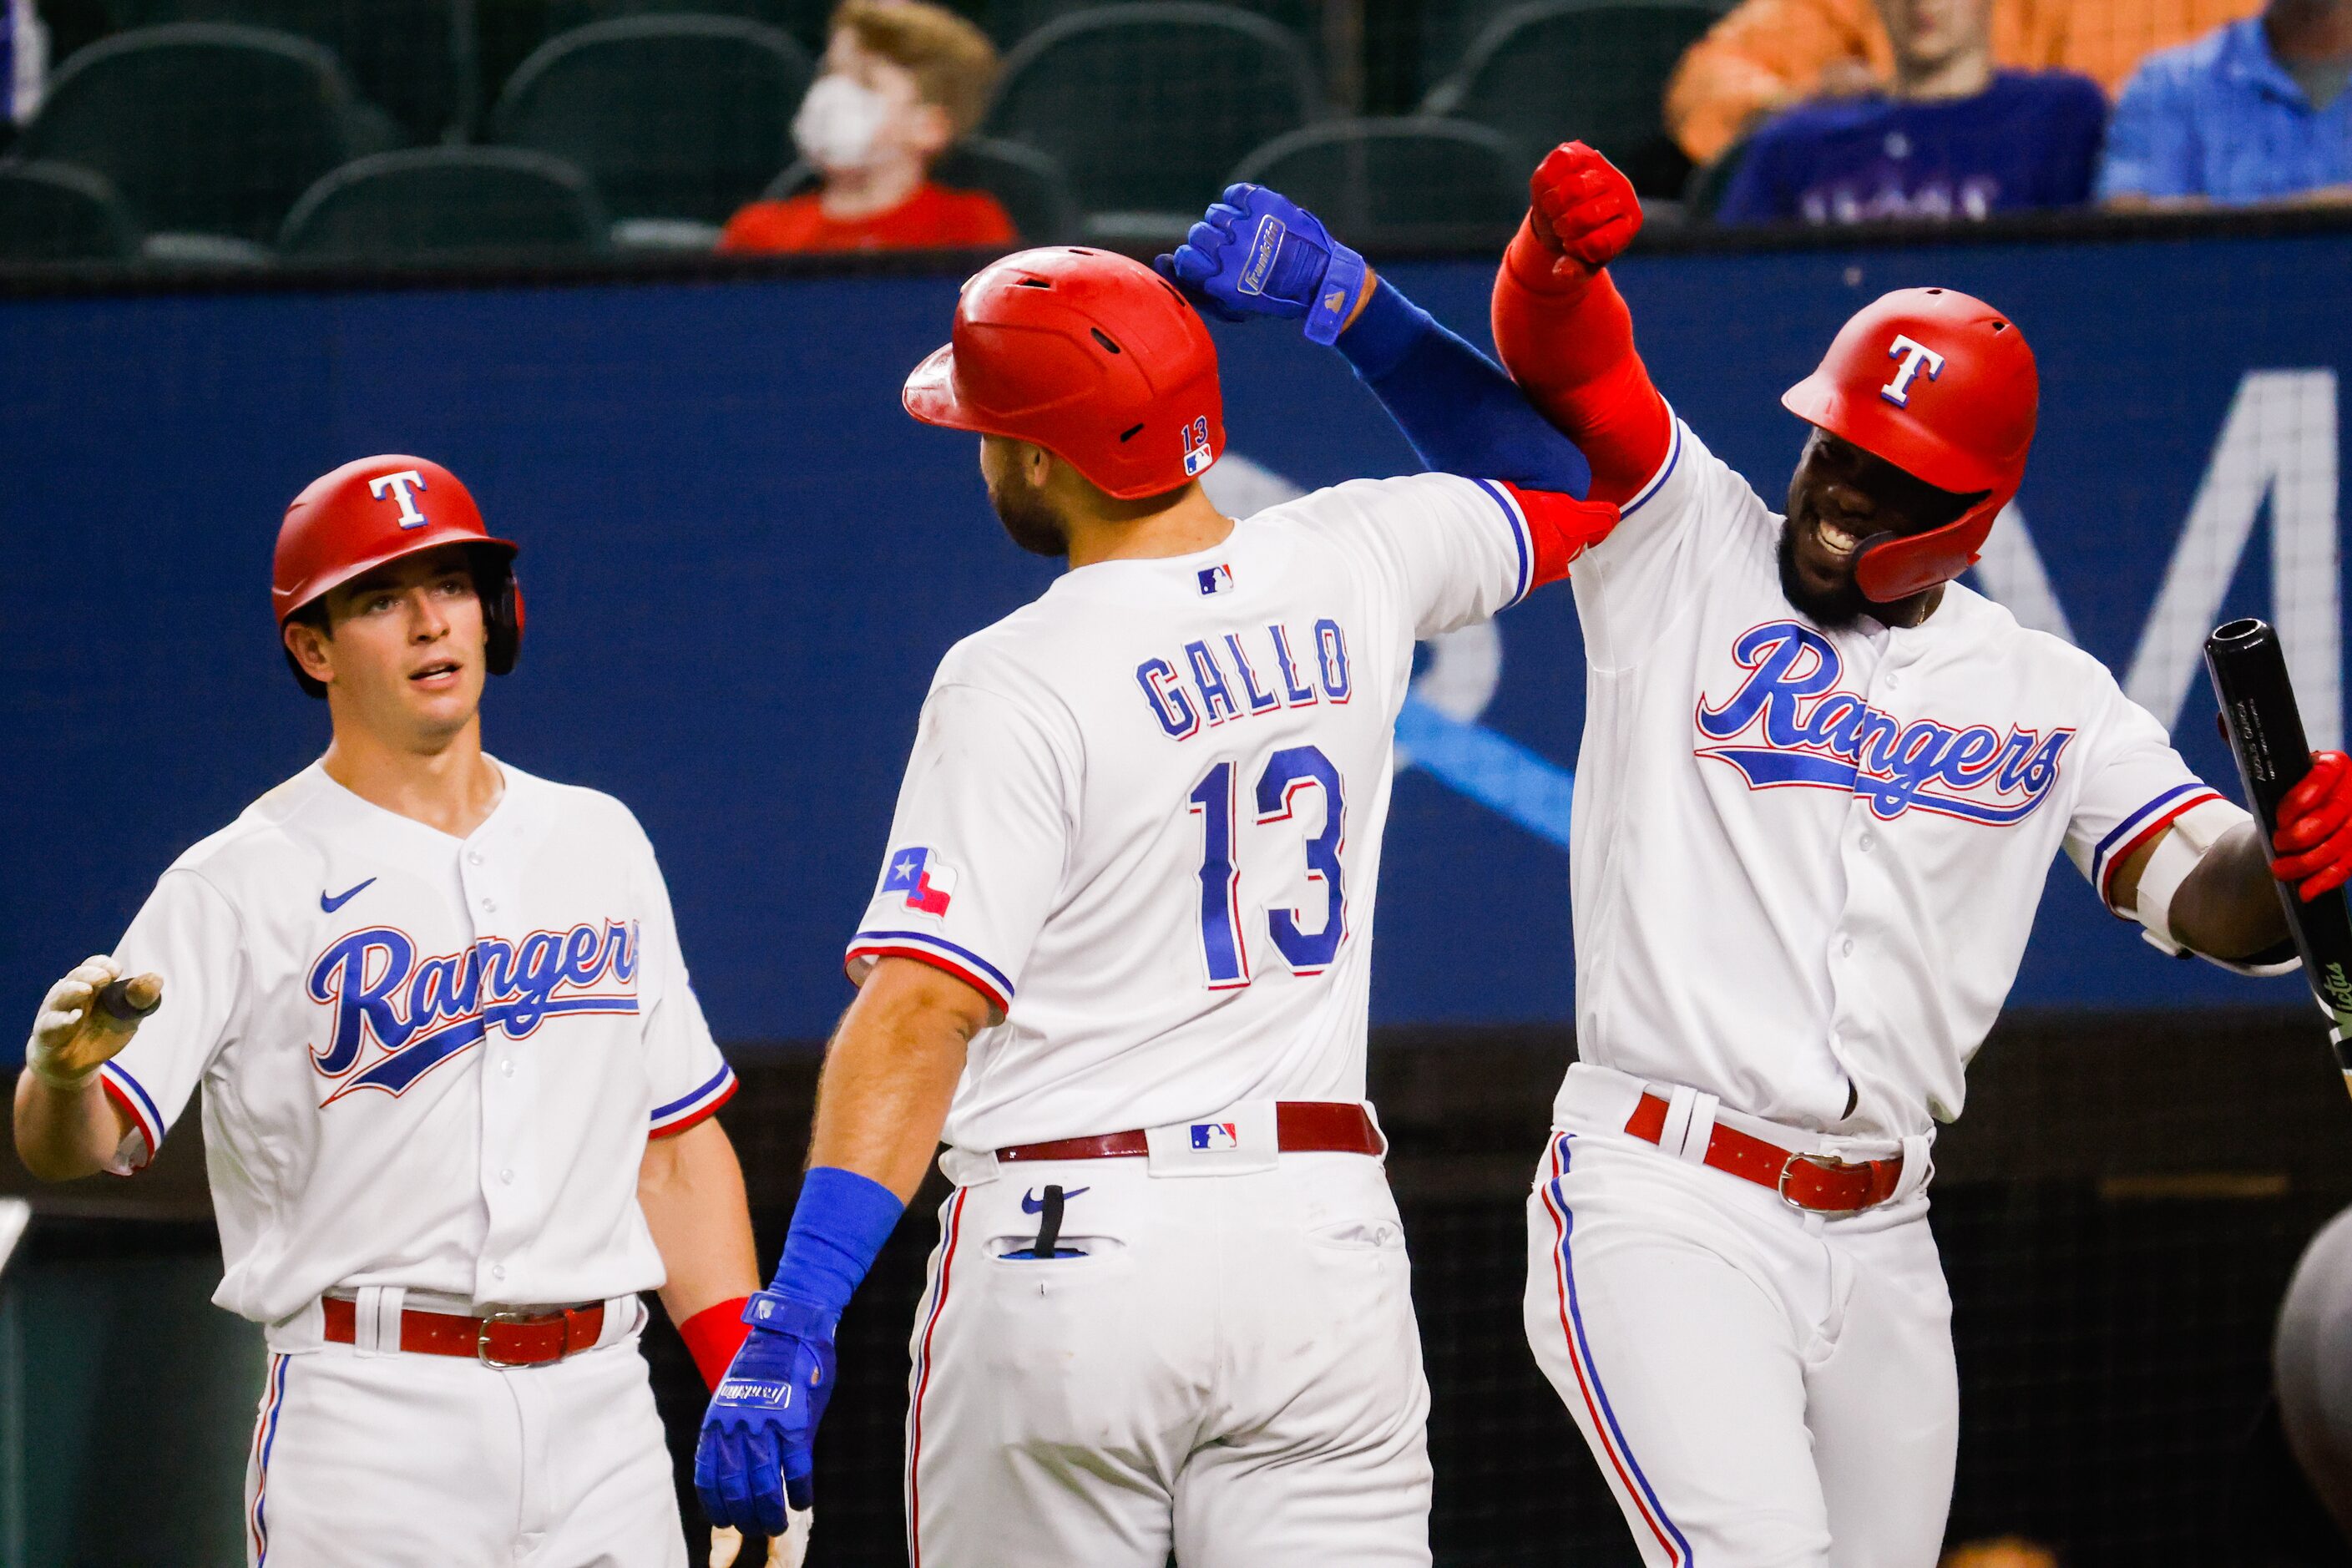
2256	112
1765	55
902	81
1952	137
2007	1552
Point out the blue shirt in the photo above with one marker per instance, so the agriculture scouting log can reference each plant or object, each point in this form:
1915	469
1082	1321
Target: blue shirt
2220	117
2029	139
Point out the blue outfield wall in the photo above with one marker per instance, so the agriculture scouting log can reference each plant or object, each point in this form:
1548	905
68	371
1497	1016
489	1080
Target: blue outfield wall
742	562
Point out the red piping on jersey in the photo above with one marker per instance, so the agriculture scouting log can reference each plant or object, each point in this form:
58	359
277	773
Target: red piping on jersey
150	1136
922	1386
2116	861
944	964
675	1128
1568	340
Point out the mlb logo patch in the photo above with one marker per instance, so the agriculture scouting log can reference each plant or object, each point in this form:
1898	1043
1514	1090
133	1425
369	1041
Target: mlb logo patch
1216	579
1215	1135
1197	453
928	881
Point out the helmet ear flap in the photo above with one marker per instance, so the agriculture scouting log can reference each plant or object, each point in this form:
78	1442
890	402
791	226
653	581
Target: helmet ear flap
501	615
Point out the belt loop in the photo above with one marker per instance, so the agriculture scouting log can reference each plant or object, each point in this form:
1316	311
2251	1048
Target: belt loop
1918	1165
1701	1131
375	1319
1690	1124
622	1316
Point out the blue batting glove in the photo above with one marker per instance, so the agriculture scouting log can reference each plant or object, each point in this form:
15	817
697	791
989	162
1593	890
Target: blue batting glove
759	1436
1258	253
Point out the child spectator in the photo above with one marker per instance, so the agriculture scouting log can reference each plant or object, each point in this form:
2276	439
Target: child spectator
902	81
1765	55
1952	139
2254	112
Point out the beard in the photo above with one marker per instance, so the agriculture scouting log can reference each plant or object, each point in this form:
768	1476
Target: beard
1028	518
1833	609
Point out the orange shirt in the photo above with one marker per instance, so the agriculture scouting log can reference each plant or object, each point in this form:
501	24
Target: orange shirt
1768	54
934	218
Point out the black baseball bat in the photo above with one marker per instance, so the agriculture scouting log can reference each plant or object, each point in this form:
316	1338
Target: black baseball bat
114	997
2265	730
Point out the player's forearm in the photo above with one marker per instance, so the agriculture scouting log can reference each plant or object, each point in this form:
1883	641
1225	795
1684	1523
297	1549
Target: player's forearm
1458	408
1567	339
691	1190
891	1071
63	1134
2229	906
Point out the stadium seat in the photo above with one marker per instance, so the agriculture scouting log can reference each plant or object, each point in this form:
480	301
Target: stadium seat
414	58
678	120
205	127
55	212
446	201
1591	70
1446	32
1149	105
1010	21
804	19
1035	191
1399	183
1709	183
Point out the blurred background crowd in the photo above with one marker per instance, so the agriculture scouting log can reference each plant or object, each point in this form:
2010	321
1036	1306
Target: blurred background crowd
235	131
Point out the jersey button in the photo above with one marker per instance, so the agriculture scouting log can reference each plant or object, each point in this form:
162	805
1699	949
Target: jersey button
497	1270
1868	843
489	906
473	856
1847	947
506	1068
507	1176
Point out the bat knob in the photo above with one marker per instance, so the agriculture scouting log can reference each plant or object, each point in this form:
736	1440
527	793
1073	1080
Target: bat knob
130	1000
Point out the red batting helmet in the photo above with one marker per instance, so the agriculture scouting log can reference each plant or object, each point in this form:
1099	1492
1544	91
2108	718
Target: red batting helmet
1943	387
1092	356
375	511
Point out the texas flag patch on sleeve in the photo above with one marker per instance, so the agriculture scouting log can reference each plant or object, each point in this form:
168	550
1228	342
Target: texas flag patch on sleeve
928	881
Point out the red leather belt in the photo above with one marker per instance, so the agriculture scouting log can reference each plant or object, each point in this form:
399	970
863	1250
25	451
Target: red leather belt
1300	1127
1820	1183
501	1339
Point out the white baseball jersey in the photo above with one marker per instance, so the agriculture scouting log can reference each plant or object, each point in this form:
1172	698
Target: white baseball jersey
428	1062
1808	861
1143	814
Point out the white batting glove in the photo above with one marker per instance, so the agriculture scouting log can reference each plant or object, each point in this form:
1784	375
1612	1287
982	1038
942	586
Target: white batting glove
71	1036
786	1551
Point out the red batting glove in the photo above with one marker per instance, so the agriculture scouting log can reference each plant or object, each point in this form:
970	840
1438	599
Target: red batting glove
1583	208
2314	830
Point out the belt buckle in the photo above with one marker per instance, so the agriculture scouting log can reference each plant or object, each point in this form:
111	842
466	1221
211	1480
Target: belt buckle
482	1336
1821	1161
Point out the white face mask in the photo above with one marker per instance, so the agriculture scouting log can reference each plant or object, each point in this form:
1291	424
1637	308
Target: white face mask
839	122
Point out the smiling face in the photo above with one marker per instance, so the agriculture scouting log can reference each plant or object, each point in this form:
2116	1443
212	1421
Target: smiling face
403	653
1840	498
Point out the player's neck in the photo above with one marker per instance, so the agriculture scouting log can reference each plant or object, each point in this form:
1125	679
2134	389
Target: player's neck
451	787
854	193
1180	525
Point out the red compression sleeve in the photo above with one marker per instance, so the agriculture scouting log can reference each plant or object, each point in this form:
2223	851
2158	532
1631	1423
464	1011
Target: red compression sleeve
1568	340
713	1335
1563	528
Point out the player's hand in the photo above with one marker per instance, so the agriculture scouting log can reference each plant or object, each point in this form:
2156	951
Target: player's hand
73	1033
759	1436
1582	207
789	1550
2314	828
1258	253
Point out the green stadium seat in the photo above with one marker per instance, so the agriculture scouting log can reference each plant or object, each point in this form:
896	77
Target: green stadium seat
1709	183
1591	70
414	58
1148	106
1446	31
439	202
55	212
1399	183
678	120
1010	21
205	127
1033	190
804	19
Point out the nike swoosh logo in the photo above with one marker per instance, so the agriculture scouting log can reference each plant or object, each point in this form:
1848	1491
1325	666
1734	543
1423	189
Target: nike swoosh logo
1032	1203
329	903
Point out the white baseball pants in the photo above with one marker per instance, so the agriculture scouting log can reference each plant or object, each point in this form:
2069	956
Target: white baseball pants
1231	1371
400	1461
1761	1388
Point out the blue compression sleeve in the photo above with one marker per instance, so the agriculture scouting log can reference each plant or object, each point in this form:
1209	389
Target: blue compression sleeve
1461	412
838	1225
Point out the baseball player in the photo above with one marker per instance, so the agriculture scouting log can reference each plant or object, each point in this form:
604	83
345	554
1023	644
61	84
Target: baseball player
458	1090
1117	957
1820	786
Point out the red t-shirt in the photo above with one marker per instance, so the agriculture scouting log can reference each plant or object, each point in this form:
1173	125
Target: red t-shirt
934	218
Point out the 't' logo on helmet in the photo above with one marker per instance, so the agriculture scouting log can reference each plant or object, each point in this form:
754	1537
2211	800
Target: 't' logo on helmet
1914	355
410	516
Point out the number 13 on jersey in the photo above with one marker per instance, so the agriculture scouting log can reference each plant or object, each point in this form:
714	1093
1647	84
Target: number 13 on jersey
1224	944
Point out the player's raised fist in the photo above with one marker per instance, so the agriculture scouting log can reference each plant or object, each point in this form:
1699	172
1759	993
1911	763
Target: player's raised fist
2314	828
86	1018
1582	207
1258	253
